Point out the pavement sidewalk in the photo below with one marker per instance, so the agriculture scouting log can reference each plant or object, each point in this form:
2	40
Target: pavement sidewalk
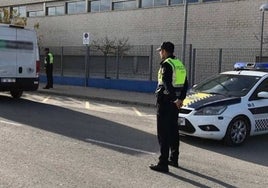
120	96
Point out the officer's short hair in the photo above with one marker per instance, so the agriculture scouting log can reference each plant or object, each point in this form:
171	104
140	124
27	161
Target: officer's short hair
168	46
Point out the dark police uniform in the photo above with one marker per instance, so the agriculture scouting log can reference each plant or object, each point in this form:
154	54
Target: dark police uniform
167	113
49	60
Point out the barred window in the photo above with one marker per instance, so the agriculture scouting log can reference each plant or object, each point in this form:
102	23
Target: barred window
209	0
76	7
100	5
153	3
176	2
20	11
55	11
36	13
124	5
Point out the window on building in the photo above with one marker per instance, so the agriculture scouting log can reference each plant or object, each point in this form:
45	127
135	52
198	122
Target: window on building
160	2
100	5
209	0
95	6
147	3
55	11
36	13
76	7
153	3
124	5
20	11
176	2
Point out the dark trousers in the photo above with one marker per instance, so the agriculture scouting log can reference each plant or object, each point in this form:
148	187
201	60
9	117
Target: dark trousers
167	131
49	73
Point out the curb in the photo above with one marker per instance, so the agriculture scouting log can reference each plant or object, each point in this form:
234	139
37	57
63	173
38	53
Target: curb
121	101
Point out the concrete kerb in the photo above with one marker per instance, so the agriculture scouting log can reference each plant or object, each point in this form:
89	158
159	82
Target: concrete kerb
96	98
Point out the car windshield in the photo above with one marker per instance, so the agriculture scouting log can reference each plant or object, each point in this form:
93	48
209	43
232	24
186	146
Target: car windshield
227	84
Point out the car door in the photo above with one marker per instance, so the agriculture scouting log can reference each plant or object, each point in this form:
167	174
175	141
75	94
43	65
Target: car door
259	108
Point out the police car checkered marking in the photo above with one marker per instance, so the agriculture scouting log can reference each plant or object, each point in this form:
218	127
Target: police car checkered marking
261	125
195	98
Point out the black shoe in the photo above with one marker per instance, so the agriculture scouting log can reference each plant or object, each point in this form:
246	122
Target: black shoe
173	163
159	168
46	87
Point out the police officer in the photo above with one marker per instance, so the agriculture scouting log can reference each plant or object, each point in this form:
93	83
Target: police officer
49	59
170	92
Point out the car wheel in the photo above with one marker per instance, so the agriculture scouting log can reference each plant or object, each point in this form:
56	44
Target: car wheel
16	94
237	131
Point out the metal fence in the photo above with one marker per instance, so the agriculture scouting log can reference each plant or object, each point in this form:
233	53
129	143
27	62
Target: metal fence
142	62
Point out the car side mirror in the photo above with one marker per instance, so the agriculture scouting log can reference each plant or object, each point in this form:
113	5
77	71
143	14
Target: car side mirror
263	94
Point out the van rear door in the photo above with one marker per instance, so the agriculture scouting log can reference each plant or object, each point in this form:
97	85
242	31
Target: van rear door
8	57
26	55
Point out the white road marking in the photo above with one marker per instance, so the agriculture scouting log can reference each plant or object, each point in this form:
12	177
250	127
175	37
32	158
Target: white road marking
11	123
137	111
45	100
87	105
119	146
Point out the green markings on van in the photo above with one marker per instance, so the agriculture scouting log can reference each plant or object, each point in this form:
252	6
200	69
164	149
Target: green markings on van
22	45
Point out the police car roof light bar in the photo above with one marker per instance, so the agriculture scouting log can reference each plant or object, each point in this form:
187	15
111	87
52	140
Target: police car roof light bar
251	66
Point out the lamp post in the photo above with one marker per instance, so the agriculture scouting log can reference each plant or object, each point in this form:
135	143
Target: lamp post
184	29
263	8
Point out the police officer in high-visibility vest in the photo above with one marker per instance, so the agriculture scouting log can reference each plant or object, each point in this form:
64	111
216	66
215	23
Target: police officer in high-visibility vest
170	92
49	59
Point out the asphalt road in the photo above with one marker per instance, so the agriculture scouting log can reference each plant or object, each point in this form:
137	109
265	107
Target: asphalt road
54	141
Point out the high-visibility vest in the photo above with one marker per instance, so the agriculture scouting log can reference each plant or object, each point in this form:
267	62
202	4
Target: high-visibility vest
51	58
179	73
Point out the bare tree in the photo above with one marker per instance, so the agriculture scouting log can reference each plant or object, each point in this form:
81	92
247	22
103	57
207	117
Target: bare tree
13	17
39	37
122	46
5	16
107	46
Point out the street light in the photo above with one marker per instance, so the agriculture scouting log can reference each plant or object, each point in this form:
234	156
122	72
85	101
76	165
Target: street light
185	2
263	8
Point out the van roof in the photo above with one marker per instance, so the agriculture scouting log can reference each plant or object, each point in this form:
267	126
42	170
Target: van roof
14	26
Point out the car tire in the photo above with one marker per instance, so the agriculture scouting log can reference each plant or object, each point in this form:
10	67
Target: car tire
237	131
16	93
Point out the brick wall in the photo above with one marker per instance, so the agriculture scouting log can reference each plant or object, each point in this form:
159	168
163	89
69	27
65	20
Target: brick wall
210	25
223	24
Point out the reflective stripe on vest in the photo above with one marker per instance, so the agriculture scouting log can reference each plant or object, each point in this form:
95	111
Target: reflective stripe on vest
51	58
179	72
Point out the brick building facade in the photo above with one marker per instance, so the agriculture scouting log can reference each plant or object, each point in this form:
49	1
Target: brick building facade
212	24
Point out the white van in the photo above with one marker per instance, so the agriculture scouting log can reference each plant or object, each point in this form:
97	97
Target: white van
19	60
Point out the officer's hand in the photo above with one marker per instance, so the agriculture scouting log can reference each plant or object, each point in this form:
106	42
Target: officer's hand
178	103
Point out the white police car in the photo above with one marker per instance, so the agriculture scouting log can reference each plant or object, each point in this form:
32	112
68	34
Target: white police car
230	106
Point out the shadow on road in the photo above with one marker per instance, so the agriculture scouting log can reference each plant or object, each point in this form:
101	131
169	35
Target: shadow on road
198	184
77	125
253	150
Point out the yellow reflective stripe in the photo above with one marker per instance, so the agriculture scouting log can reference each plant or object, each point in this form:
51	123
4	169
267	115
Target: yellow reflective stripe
160	76
51	58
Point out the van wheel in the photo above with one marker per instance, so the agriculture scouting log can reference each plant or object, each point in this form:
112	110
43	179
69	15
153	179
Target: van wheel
16	94
237	131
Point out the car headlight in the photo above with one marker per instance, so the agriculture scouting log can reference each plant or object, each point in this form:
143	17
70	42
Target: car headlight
211	110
